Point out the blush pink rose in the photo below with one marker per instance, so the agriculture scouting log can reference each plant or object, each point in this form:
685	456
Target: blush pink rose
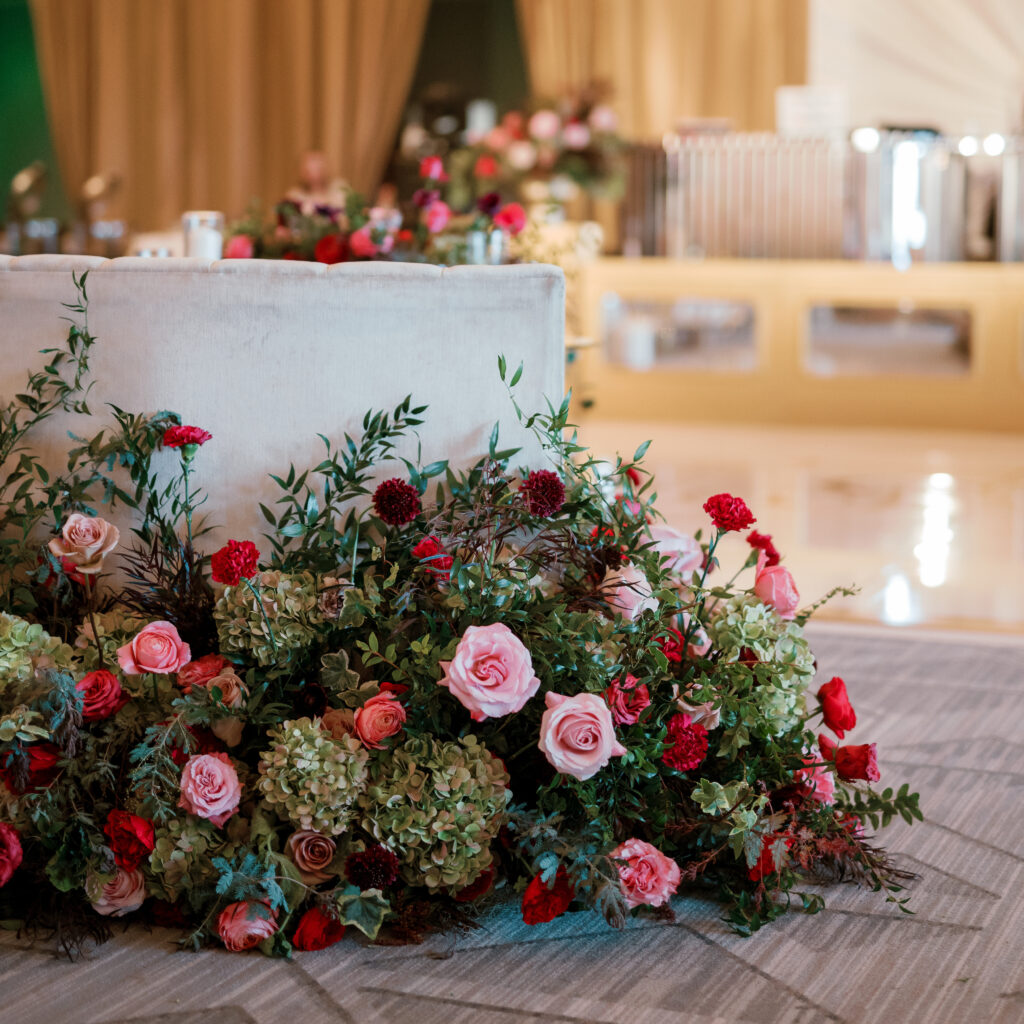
155	648
339	722
684	555
85	541
577	734
210	788
628	592
243	926
312	854
491	674
436	216
545	125
380	717
576	135
240	247
774	585
125	892
646	877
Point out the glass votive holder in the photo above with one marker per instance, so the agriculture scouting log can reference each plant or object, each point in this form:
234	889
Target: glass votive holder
204	233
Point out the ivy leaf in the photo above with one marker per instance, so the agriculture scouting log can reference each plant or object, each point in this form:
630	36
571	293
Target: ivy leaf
364	910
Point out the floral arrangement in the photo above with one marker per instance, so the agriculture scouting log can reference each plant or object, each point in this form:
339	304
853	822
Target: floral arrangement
410	699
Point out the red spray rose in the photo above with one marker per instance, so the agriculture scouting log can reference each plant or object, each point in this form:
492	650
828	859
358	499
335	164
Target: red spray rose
179	436
686	744
827	746
330	249
102	695
238	559
763	542
40	771
511	218
766	862
858	762
437	560
836	708
131	838
317	930
396	502
483	884
728	513
541	904
10	852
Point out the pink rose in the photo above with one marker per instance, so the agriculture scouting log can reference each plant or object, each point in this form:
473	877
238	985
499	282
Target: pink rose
497	139
545	125
511	218
436	216
124	893
361	244
10	852
242	926
627	592
627	700
577	734
522	155
817	779
155	648
85	541
576	135
648	877
210	788
684	554
312	854
774	585
239	247
380	717
491	674
603	119
339	722
201	671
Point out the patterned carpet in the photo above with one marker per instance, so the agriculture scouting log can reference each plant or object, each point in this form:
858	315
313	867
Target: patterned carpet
945	714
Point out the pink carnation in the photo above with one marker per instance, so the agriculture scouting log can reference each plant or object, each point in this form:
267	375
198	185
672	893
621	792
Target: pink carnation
646	877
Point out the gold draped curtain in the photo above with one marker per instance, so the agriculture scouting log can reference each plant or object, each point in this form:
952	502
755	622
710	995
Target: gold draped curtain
210	103
669	59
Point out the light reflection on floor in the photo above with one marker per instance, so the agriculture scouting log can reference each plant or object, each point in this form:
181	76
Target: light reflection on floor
929	525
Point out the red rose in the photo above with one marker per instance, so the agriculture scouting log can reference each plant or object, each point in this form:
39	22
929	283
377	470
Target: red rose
238	559
39	772
486	166
763	542
686	744
131	838
331	249
10	852
671	645
766	862
728	513
317	930
541	904
439	562
473	891
102	695
201	671
626	700
511	218
836	708
178	437
827	746
858	762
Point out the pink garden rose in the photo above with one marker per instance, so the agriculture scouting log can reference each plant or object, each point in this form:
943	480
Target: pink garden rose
155	648
774	585
380	717
243	926
312	854
10	852
436	216
84	542
239	247
648	877
576	135
684	554
577	734
492	673
628	592
818	781
210	788
124	893
339	722
544	125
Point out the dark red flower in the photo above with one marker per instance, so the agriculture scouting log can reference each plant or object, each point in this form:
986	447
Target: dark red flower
633	476
131	838
763	542
35	771
728	513
438	561
237	560
424	197
686	744
331	249
544	493
405	235
541	904
317	930
397	502
766	862
396	688
836	707
483	884
373	868
102	695
179	436
10	852
293	254
489	203
166	915
858	762
672	645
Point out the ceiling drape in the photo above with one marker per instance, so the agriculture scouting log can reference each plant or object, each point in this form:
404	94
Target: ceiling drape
668	59
210	103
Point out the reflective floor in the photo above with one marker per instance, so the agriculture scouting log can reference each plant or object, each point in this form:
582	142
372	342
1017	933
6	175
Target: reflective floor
929	525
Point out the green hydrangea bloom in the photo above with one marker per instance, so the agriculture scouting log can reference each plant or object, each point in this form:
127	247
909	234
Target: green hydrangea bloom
744	621
182	856
290	606
26	646
437	806
115	627
312	778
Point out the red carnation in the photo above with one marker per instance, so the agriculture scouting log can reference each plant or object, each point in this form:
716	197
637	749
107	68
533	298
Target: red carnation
317	930
763	542
102	695
131	838
10	852
331	249
483	884
858	762
542	904
728	513
375	868
766	862
836	708
180	436
237	560
686	744
544	493
438	561
397	502
39	770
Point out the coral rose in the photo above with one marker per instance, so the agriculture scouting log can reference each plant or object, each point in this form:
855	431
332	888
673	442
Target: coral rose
312	854
628	592
125	892
243	926
543	903
836	708
380	717
683	555
84	542
210	788
317	930
201	671
10	852
647	877
491	673
232	695
131	838
102	695
155	648
774	585
858	762
577	734
626	699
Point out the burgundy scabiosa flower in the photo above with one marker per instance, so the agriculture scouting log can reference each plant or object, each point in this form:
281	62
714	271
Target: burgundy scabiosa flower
374	868
396	502
544	493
